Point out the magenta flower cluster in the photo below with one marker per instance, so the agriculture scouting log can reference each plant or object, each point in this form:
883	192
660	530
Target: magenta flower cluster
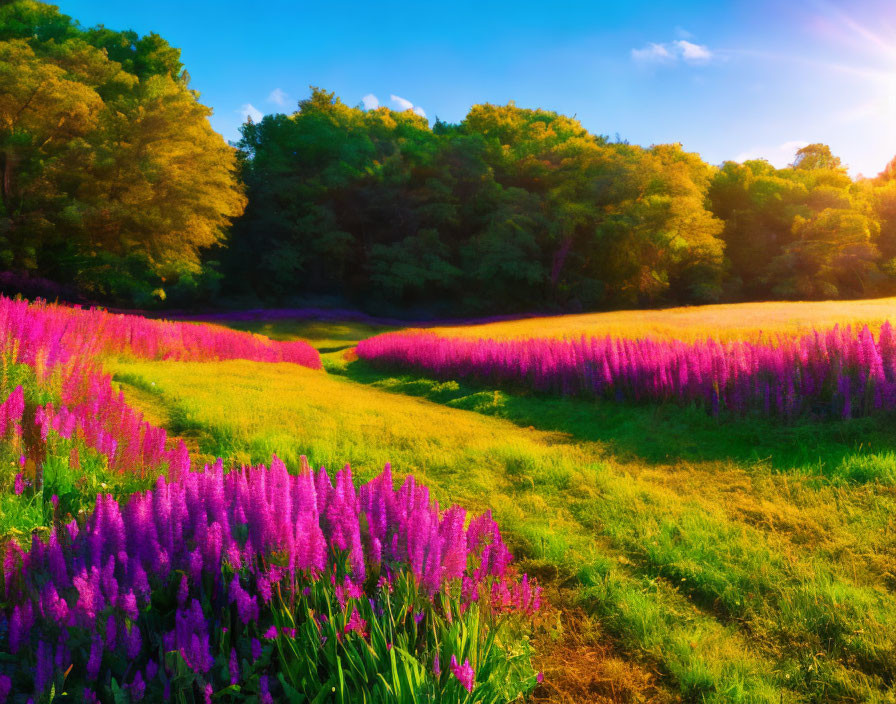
464	673
63	343
841	371
53	334
98	415
264	527
196	564
11	411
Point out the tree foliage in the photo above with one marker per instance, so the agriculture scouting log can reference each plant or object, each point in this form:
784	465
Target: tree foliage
112	179
112	176
514	209
510	209
807	231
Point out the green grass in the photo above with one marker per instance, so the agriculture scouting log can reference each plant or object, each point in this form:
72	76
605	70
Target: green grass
730	561
325	336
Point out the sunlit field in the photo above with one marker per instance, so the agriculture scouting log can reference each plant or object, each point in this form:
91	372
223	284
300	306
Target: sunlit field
488	390
725	322
325	336
683	556
135	569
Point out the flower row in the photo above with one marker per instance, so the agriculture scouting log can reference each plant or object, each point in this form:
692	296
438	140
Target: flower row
841	371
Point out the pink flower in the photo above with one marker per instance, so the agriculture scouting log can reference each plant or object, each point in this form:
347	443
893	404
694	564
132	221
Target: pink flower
356	623
464	673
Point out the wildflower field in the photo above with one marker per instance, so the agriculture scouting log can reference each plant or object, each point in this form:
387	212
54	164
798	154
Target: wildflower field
131	572
675	533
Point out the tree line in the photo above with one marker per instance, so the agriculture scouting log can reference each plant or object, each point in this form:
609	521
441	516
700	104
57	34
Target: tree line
113	182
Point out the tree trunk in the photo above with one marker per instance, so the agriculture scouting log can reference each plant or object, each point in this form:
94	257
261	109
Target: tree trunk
7	165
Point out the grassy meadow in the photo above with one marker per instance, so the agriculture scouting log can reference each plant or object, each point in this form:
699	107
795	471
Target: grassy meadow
213	490
685	558
726	322
325	336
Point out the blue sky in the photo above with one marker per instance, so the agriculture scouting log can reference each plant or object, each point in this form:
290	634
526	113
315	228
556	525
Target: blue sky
729	80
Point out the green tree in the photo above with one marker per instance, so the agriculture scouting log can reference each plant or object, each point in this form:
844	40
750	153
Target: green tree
833	255
816	156
112	176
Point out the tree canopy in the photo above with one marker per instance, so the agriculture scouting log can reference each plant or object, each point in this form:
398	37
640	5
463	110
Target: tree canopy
510	209
112	180
112	177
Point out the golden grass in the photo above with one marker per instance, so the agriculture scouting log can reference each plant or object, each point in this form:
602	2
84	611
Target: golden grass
738	320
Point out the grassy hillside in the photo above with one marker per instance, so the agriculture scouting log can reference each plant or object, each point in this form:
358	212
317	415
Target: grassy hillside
735	562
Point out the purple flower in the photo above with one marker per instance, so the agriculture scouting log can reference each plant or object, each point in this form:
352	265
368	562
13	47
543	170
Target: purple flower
96	658
138	687
255	649
20	626
264	692
191	633
111	632
19	484
128	604
246	604
5	688
133	642
183	590
234	668
436	667
44	671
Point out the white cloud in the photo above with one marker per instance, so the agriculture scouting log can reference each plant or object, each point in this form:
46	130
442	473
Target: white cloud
671	52
402	103
692	52
370	101
277	96
249	110
779	156
653	53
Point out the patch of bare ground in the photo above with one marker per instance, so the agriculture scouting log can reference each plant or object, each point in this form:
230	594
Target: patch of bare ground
580	665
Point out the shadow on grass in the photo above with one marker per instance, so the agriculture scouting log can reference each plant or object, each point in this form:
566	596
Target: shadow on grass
858	450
